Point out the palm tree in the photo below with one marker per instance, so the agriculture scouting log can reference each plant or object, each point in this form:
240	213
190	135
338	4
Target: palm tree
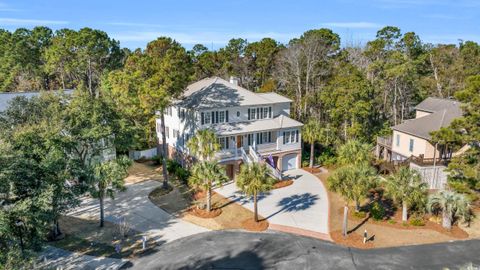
108	177
354	152
252	180
406	187
352	182
310	134
204	144
452	205
206	174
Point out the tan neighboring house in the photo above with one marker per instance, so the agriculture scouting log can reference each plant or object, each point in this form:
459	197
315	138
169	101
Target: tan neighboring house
411	143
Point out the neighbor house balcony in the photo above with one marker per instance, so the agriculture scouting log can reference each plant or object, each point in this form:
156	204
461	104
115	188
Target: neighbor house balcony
385	141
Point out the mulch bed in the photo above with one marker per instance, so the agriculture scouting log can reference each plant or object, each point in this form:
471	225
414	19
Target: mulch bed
455	232
251	225
352	240
160	191
201	194
203	213
313	170
283	183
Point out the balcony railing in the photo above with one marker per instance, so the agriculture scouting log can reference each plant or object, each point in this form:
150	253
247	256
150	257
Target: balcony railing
385	141
421	161
266	147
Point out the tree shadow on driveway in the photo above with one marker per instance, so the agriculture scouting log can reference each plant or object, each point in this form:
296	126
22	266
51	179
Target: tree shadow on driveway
296	203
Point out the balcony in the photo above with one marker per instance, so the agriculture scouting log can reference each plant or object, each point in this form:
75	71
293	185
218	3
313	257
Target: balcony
385	141
266	147
427	162
226	154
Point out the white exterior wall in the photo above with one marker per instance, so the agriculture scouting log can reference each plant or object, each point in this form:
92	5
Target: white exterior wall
419	145
192	122
419	114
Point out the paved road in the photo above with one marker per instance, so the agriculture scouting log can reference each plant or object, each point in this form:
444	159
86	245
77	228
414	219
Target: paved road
275	250
141	213
302	205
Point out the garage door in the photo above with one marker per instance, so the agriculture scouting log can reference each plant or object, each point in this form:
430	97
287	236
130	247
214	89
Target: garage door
289	162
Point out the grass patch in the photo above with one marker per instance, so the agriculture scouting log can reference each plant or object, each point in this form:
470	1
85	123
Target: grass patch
86	237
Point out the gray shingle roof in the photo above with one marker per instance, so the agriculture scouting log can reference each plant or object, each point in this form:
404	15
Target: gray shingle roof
216	92
6	98
432	104
443	112
279	122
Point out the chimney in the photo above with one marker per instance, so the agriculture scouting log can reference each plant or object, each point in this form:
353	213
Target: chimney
234	80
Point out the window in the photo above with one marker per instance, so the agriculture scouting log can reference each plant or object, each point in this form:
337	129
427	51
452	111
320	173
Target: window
207	118
290	137
182	114
221	116
223	141
238	113
169	111
159	128
250	139
265	112
252	114
397	140
410	147
167	132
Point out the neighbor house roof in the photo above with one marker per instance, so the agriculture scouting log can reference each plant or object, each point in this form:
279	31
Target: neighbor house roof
442	113
6	98
279	122
215	92
432	104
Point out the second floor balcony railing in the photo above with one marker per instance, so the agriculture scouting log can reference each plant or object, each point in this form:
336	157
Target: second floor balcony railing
385	141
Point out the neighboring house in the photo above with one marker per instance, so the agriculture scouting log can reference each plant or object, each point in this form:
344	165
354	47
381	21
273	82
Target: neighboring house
250	126
411	142
107	150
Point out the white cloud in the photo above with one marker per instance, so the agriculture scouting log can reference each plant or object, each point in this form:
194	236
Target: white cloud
199	37
352	25
21	22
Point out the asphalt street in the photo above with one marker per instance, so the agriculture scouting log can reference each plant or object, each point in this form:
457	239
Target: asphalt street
274	250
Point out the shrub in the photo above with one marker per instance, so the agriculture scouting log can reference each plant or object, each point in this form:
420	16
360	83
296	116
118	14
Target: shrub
391	221
416	221
157	160
172	166
327	157
377	211
360	214
182	174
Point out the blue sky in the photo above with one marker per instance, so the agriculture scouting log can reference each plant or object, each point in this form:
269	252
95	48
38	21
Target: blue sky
213	23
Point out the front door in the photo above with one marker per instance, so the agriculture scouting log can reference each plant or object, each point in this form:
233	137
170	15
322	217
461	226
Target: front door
239	141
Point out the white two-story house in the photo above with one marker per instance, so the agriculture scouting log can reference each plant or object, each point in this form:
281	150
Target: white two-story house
250	127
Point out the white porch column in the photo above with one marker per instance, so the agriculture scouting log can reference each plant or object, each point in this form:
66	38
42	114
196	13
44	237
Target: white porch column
278	139
236	149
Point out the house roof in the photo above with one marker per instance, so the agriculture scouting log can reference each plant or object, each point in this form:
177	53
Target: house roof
215	92
6	98
279	122
442	113
432	104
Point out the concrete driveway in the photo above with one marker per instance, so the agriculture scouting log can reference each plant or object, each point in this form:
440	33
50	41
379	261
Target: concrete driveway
300	208
143	215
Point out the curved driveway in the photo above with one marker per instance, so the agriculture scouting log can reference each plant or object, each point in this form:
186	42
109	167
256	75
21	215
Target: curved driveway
275	250
300	208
